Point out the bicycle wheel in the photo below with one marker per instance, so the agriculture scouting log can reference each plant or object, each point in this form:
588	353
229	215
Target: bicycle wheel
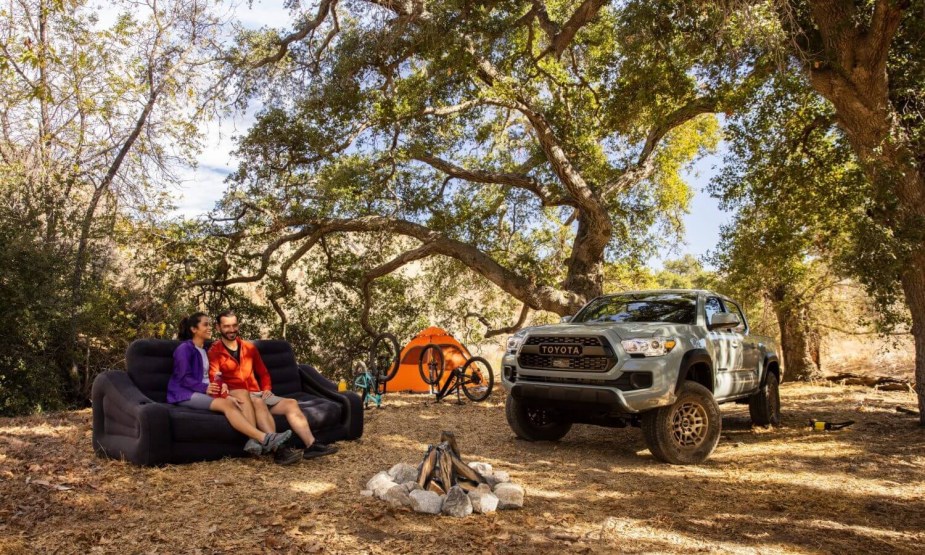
431	364
384	357
477	379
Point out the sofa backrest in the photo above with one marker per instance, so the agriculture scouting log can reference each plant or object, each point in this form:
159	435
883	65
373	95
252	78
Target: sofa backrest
150	365
277	355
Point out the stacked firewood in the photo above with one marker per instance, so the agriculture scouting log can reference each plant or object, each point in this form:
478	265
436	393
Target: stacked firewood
444	483
444	468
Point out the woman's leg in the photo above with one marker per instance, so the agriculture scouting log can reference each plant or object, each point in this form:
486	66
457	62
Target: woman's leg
236	417
265	420
247	408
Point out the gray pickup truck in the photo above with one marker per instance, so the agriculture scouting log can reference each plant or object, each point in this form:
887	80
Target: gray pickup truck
661	360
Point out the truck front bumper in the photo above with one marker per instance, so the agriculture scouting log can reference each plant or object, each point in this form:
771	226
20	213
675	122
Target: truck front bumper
579	395
540	386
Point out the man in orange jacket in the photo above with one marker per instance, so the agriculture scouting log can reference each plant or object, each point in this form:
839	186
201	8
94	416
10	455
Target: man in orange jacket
239	361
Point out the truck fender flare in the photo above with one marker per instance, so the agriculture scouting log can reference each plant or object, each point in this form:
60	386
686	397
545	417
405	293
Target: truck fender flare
692	357
768	359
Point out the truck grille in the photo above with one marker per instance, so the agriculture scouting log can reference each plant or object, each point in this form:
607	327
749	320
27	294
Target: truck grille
544	362
596	354
590	341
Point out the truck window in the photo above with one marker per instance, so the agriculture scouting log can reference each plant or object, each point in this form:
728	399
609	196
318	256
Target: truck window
734	308
712	306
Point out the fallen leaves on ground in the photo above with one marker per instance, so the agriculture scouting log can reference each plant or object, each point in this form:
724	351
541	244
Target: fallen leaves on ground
787	489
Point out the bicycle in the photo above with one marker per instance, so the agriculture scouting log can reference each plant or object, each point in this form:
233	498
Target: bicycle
475	378
370	379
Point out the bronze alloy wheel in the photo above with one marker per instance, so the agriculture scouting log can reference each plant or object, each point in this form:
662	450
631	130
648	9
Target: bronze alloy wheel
686	431
689	424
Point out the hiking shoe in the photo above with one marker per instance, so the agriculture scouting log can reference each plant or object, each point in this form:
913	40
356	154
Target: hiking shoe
319	450
287	455
253	447
273	441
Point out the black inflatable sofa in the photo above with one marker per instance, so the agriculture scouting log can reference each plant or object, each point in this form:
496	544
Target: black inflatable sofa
133	421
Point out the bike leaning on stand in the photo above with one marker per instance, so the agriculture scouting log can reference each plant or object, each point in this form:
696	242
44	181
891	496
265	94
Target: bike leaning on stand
475	378
370	377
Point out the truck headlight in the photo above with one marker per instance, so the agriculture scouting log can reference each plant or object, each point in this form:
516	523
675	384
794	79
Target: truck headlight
651	347
515	341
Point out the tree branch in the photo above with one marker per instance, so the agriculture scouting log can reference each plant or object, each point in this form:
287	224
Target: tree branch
282	47
515	180
505	330
581	17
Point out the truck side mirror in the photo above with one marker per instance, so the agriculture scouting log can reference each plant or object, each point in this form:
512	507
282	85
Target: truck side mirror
724	320
566	319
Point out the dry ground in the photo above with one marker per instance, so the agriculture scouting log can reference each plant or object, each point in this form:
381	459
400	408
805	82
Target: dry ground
598	490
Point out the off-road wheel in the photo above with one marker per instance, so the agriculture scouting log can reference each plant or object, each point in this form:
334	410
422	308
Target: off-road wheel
764	406
534	424
687	431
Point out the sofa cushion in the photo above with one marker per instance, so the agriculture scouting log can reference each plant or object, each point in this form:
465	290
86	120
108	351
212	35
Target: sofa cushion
321	413
188	425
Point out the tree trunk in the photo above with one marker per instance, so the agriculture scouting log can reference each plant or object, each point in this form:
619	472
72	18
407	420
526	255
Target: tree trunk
585	276
845	53
914	287
799	342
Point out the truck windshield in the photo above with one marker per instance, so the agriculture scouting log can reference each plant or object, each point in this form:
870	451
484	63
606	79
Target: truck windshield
674	308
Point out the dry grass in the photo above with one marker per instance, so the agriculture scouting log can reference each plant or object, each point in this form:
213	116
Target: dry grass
597	491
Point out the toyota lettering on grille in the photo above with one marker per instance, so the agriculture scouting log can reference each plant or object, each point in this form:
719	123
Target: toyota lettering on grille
561	350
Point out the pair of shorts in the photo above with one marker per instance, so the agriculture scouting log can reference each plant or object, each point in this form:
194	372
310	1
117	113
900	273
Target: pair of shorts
269	401
199	401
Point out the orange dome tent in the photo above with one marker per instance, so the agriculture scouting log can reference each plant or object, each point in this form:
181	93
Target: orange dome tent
408	377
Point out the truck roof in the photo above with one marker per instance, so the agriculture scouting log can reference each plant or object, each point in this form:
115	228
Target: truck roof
697	291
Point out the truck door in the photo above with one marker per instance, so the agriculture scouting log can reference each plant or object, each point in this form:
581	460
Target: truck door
719	345
749	371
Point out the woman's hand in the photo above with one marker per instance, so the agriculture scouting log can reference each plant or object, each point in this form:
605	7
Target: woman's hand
224	389
266	394
213	389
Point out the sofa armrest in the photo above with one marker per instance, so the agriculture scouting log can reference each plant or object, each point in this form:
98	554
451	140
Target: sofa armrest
313	382
317	377
127	423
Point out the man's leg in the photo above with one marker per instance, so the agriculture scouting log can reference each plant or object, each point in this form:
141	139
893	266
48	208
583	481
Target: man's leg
297	421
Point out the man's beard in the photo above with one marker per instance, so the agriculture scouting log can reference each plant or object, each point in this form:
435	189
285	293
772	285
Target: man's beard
230	335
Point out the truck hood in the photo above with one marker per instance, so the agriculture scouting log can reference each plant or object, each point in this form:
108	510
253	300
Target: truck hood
630	330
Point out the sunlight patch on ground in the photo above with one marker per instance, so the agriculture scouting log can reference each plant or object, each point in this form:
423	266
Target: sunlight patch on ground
312	488
396	442
44	430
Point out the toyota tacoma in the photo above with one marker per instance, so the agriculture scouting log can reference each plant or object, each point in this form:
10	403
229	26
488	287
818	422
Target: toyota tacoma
660	360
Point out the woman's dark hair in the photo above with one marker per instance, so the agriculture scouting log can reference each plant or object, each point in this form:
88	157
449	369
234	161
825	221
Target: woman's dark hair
188	323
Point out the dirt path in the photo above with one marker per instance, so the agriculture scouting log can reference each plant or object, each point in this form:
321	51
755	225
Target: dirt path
597	491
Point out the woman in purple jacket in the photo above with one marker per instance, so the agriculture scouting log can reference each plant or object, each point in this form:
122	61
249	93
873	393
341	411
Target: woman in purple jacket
189	385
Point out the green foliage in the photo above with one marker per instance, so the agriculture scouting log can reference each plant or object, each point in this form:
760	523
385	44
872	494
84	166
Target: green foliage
32	310
802	205
353	121
96	120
